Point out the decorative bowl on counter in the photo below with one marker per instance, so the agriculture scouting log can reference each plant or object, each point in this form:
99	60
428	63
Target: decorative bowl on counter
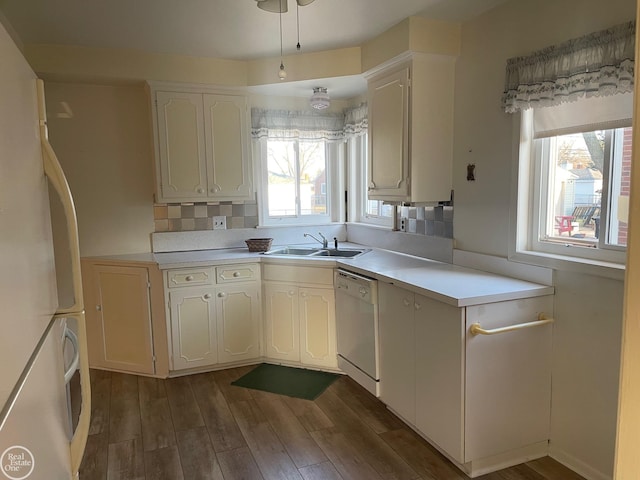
259	244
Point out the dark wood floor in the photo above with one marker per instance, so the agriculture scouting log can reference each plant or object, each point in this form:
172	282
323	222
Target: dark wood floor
200	427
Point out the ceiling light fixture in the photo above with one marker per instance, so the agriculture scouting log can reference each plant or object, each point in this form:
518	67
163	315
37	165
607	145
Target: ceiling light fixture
320	98
280	7
277	6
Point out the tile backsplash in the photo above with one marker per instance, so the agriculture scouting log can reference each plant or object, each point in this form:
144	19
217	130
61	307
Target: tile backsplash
430	221
184	217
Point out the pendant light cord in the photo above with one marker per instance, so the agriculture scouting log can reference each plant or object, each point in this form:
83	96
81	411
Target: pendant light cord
298	24
280	31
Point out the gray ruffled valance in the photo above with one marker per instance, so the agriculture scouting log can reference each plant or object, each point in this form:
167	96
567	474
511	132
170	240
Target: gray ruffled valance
307	125
594	65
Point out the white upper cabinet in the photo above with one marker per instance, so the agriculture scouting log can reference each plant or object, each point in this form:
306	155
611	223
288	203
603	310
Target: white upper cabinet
411	129
202	146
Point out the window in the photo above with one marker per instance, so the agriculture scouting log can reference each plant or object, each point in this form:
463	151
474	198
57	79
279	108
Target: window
578	171
367	211
296	179
575	171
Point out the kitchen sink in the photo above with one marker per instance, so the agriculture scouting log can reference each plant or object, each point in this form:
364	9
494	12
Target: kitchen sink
292	251
316	252
338	253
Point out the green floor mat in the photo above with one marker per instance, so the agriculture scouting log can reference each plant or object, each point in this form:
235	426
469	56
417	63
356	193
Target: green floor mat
293	382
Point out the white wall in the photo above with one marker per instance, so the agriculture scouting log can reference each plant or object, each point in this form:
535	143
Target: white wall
588	309
103	141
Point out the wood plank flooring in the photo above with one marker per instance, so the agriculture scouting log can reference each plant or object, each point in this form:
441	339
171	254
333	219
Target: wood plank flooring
200	427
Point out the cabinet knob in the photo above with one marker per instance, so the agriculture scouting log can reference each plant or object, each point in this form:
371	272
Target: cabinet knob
417	306
189	278
406	302
200	190
236	274
99	308
291	293
363	291
303	295
222	294
207	296
215	189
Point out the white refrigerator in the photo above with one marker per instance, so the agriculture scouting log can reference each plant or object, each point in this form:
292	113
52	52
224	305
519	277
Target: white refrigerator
36	439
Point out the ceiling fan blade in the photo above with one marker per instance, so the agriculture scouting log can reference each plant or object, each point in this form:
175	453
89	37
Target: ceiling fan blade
273	5
302	3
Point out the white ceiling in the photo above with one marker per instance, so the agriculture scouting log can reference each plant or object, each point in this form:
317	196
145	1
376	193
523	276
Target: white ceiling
232	29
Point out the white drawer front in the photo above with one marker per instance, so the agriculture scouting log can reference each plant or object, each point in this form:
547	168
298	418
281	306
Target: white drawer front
189	276
298	274
237	273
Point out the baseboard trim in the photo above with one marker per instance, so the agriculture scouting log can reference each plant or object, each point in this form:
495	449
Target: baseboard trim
578	466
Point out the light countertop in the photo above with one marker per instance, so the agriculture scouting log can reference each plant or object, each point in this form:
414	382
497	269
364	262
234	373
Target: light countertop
451	284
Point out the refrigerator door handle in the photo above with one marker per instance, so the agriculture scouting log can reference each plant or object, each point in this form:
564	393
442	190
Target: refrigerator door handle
55	174
73	339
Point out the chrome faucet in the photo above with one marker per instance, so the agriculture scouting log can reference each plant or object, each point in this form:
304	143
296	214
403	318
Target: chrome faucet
324	241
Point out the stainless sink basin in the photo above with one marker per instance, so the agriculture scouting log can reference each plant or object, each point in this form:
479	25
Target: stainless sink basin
316	252
338	253
292	251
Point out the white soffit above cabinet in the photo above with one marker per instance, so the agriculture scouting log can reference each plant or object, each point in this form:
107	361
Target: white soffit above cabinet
231	29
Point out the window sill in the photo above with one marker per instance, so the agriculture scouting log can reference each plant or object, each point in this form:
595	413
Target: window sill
615	271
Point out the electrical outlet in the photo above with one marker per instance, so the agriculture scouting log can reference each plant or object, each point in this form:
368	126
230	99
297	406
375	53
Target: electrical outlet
219	223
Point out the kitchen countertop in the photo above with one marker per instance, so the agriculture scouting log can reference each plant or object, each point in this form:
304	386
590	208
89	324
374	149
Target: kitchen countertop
451	284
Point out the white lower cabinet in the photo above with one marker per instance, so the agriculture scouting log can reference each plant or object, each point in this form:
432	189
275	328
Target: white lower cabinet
193	327
214	315
483	400
318	327
300	325
238	322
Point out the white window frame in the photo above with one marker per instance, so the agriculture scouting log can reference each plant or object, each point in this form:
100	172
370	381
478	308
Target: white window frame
333	156
524	246
358	161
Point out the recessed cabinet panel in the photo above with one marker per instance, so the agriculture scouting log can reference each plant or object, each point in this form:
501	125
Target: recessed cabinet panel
193	327
183	163
202	144
411	129
123	313
227	141
281	322
317	327
397	350
439	337
238	321
388	159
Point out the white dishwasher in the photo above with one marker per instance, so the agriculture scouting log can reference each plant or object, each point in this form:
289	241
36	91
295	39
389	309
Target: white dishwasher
357	328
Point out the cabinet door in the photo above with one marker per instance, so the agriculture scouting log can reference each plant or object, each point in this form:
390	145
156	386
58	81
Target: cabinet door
238	322
281	321
120	338
181	143
397	350
439	338
227	143
388	173
193	327
318	327
508	378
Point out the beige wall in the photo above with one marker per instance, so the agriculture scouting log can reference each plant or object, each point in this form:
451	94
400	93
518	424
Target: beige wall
588	309
106	152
